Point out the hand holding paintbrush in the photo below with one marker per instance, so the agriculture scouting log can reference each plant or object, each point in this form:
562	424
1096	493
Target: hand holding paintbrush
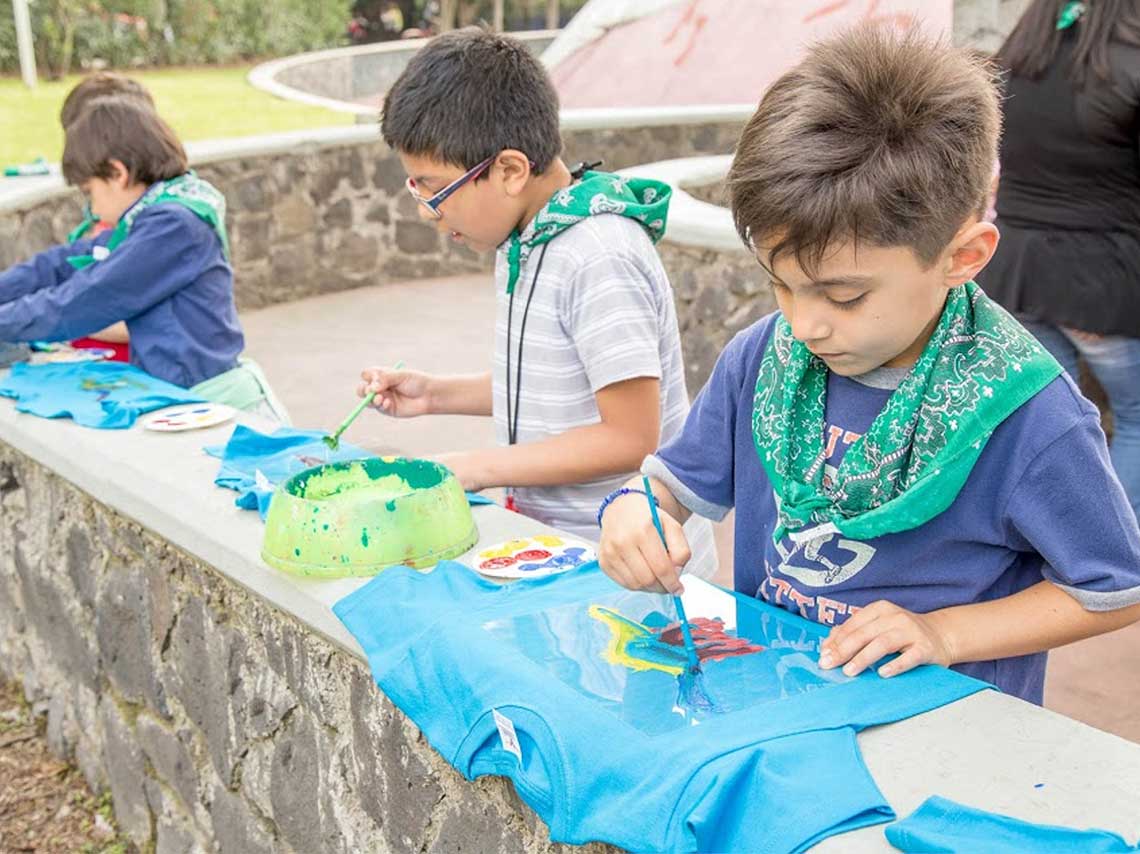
690	647
333	441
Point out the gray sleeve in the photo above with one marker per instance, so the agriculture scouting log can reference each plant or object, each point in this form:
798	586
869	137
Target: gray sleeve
654	466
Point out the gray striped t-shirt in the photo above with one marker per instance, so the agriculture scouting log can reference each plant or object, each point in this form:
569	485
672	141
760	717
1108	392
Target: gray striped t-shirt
602	312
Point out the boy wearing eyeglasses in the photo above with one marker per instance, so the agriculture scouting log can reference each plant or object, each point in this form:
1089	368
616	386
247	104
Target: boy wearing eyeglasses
588	376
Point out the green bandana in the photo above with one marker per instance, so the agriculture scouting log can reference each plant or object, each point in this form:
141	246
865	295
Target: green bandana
80	231
1070	13
642	199
187	190
979	366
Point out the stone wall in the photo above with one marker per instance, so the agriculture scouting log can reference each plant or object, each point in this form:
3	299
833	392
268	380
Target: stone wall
217	722
316	220
718	294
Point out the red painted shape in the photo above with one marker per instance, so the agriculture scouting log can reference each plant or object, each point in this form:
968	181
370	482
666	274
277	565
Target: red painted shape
712	641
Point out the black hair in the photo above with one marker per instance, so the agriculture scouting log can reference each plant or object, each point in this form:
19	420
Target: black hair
1033	43
469	94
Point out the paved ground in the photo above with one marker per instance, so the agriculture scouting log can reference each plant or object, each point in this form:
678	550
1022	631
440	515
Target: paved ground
313	350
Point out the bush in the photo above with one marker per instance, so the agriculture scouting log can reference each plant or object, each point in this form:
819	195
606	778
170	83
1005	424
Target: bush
83	34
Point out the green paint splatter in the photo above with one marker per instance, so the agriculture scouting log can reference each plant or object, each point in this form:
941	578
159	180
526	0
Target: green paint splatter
364	537
325	526
297	552
390	506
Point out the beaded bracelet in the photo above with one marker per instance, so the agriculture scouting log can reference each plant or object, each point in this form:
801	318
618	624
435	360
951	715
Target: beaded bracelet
618	493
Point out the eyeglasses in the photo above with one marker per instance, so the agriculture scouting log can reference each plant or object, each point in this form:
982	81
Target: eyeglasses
443	195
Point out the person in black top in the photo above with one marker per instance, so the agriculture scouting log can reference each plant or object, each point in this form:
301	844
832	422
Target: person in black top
1068	204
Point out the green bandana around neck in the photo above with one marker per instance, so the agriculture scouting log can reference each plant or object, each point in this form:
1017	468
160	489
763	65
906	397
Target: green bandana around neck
190	191
979	366
80	231
640	199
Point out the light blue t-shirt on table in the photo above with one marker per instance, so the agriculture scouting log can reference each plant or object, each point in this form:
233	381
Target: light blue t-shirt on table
1041	503
941	826
576	689
106	395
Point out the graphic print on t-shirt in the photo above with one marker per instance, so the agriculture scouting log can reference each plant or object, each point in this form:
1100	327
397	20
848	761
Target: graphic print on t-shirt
826	561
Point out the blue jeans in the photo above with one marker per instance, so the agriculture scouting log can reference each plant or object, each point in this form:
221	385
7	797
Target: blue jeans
1115	362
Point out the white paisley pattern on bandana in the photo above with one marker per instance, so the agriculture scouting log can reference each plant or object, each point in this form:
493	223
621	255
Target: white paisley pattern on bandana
641	199
979	367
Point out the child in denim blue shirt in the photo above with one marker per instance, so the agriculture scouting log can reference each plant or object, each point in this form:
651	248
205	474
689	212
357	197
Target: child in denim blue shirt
163	268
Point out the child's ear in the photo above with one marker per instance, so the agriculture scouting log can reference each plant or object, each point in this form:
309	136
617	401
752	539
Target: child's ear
970	250
514	169
120	175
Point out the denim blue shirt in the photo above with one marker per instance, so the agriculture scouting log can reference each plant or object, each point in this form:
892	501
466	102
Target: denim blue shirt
169	281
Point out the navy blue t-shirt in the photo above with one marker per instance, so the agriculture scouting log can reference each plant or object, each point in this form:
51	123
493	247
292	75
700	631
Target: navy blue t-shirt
1041	502
169	280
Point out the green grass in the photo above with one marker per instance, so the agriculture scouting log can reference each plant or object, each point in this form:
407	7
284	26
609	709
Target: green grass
199	103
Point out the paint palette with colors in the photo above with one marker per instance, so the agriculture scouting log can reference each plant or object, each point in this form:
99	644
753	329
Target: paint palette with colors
194	416
533	557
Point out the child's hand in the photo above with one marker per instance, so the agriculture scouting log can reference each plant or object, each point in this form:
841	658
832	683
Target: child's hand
401	394
879	630
631	552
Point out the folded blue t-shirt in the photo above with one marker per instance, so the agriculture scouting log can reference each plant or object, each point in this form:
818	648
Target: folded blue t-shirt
254	464
577	690
106	395
940	826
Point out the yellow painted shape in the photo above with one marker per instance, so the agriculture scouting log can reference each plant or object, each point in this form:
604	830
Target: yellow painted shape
622	631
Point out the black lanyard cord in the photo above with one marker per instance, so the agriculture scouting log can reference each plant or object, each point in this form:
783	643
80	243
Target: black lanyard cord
513	412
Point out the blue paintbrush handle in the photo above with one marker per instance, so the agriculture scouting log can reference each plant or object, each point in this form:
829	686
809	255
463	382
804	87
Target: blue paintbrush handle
690	647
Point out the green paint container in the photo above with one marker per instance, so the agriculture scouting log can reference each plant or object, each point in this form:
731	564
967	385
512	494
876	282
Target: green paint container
359	517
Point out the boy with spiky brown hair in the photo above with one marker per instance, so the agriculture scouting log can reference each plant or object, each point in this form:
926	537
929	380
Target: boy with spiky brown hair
906	462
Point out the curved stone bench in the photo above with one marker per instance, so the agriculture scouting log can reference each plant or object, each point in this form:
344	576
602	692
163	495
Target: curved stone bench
351	79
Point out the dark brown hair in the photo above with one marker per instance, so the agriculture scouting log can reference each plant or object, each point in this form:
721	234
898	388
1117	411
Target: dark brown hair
100	85
467	95
1031	46
118	128
876	137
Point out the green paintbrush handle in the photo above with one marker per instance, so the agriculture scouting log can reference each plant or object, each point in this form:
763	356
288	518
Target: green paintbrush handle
360	407
344	425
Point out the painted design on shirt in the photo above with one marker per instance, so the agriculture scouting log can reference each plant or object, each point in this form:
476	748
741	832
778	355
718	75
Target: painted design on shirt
104	388
659	645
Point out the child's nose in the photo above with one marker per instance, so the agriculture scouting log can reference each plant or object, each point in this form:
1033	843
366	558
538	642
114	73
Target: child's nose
807	326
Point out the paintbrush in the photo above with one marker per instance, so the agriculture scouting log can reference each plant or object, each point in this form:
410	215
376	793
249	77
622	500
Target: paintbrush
333	441
690	647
